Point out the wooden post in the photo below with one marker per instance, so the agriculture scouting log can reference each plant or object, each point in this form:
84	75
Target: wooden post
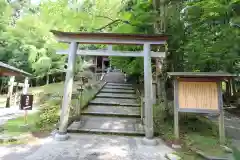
66	102
158	78
102	65
79	102
16	95
25	117
125	77
25	87
222	137
142	110
154	84
148	97
10	91
96	64
176	119
110	50
25	90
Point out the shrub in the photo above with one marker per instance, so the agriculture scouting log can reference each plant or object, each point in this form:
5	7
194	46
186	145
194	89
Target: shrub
236	153
49	114
188	122
163	121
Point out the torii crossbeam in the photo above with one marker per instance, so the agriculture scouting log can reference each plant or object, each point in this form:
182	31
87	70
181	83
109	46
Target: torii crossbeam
75	38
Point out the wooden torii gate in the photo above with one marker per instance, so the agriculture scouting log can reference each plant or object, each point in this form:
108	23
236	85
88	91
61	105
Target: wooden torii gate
109	39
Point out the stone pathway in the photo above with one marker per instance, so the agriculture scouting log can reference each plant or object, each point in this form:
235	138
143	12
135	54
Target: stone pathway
115	112
111	90
87	147
115	101
119	111
116	95
114	77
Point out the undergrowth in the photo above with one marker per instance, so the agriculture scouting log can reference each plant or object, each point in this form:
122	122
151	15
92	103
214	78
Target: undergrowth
196	131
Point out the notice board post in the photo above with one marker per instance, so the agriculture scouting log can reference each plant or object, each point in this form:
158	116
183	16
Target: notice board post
26	101
199	92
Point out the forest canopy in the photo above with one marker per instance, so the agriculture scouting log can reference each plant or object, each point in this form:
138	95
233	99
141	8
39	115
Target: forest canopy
204	35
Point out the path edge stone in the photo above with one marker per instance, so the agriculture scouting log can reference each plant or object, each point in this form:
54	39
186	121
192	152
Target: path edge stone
172	156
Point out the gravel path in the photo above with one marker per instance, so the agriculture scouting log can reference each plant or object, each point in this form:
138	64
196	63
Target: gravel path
88	147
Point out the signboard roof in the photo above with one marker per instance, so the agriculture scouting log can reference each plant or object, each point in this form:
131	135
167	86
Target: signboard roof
7	70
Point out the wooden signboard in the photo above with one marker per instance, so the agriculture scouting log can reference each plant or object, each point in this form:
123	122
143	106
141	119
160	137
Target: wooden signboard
26	102
197	96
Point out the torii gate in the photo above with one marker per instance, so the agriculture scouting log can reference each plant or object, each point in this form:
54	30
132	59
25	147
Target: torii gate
109	39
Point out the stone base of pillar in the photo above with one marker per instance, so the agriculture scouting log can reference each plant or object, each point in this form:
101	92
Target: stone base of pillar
149	142
61	137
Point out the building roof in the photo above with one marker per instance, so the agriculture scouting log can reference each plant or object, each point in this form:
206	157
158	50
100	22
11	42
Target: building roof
201	74
109	38
7	70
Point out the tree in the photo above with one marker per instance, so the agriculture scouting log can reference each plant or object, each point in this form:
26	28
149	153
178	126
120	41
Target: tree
212	44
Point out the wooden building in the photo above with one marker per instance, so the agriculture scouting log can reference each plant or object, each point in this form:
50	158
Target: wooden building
7	70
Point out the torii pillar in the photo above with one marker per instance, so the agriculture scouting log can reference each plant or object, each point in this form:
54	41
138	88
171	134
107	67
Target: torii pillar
66	102
148	97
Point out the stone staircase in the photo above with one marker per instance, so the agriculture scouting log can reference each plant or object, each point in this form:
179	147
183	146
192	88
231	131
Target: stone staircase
114	110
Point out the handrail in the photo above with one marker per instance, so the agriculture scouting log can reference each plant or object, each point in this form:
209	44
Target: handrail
142	104
103	75
99	76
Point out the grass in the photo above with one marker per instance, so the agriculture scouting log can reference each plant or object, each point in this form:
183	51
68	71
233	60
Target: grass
48	89
196	132
13	126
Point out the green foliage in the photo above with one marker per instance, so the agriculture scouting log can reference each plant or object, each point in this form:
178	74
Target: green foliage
49	114
140	19
203	34
236	153
13	126
211	43
196	132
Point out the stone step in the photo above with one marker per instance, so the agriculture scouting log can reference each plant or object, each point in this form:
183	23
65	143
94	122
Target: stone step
116	95
101	110
108	125
108	90
119	84
114	101
118	87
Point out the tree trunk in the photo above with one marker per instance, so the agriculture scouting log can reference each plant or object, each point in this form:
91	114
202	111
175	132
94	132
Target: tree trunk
1	87
234	90
47	77
228	92
159	27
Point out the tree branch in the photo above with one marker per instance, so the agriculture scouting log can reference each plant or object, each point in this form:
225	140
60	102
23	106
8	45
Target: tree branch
109	24
113	22
105	17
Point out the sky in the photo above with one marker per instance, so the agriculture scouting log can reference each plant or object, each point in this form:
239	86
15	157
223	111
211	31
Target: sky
35	1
